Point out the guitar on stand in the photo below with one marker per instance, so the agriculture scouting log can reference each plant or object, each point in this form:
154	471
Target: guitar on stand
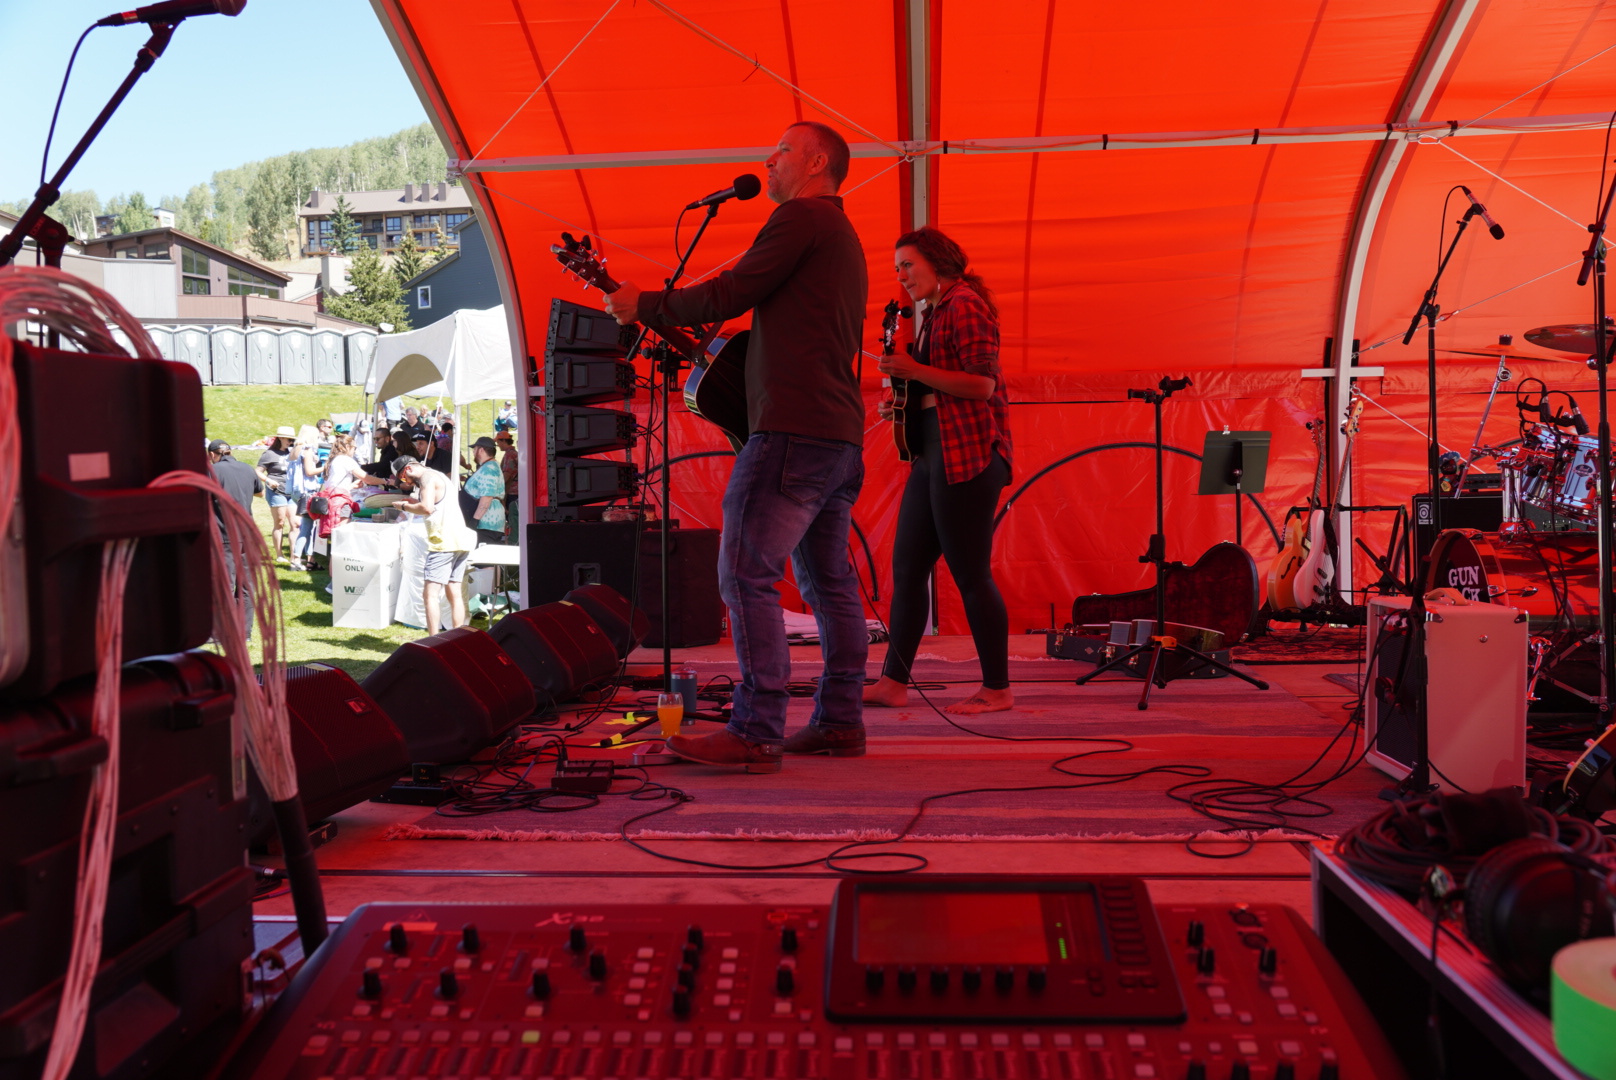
1287	564
715	389
1316	576
903	410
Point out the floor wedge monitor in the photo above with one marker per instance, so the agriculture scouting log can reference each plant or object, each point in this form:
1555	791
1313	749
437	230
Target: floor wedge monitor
452	694
560	649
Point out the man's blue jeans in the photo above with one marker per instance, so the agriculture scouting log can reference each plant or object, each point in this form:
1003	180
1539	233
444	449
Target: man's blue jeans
792	496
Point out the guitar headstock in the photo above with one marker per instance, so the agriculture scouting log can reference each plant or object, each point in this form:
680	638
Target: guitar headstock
889	325
580	259
1354	414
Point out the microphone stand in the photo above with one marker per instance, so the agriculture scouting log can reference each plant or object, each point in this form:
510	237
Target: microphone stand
1414	667
51	190
1593	263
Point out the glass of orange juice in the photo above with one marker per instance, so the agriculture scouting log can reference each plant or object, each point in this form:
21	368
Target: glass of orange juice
670	711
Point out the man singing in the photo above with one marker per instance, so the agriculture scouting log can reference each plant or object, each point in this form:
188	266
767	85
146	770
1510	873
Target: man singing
792	491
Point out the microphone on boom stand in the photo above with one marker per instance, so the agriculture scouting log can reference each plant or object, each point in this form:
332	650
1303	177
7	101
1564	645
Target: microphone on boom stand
172	11
1476	208
745	187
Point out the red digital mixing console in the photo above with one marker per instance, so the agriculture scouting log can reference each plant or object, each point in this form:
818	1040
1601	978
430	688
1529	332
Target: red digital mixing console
937	978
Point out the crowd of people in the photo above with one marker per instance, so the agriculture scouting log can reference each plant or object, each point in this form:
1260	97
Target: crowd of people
314	479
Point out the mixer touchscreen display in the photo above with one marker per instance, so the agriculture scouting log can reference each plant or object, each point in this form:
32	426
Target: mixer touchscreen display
904	927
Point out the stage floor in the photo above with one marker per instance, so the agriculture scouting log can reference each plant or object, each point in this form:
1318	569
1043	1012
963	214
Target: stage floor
360	865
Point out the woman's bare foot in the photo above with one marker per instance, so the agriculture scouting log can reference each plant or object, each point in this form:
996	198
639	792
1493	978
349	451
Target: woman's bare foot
984	700
888	692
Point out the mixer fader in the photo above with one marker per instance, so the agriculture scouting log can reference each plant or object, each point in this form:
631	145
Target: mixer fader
939	978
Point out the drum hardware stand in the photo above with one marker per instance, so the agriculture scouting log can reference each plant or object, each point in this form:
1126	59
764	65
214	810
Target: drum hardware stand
1477	451
1593	263
1156	555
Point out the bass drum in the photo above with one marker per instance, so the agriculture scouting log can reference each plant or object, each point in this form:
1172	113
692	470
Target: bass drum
1553	577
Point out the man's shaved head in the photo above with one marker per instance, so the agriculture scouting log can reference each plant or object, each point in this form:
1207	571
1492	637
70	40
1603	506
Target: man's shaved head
832	145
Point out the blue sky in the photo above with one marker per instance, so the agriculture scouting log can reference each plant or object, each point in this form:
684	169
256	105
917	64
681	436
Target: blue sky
283	75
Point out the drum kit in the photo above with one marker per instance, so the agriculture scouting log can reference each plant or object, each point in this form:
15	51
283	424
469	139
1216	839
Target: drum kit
1544	559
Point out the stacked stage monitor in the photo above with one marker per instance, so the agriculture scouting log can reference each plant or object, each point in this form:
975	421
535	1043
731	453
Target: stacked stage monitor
588	384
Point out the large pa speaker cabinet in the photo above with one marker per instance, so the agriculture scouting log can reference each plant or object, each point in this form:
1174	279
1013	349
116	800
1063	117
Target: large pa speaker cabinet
451	695
345	746
1482	510
559	648
565	555
625	624
178	923
143	419
1475	656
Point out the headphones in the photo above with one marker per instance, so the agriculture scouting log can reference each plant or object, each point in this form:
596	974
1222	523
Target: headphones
1528	899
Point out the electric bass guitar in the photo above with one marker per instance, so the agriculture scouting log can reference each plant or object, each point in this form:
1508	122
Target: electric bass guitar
1288	563
904	411
715	389
1317	572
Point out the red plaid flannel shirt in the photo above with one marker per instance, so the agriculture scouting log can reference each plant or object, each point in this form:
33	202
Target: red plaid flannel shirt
963	335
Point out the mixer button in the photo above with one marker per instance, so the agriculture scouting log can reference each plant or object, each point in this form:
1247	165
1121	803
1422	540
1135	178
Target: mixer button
644	952
653	1038
462	963
1136	1041
1243	1016
640	967
362	1009
745	1038
1144	1070
1213	990
439	1037
714	1038
540	963
1062	1040
529	1038
968	1040
1290	1048
577	940
381	1035
782	1008
1287	1010
936	1040
1309	1017
622	1038
1031	1040
1247	1047
410	1037
1094	1040
632	999
1214	1048
726	969
721	1000
440	1011
636	983
906	1040
1222	1010
1279	991
806	1039
724	984
317	1044
683	1038
533	1012
500	1037
731	953
843	1044
777	1038
470	1035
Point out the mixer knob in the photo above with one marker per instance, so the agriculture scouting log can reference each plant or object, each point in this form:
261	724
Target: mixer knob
1195	933
1206	961
577	940
686	976
874	978
1240	1071
906	979
470	940
691	955
397	940
597	965
448	985
1329	1071
971	979
1267	962
939	980
681	1003
370	985
1196	1071
1004	979
1037	978
784	981
693	936
788	939
1285	1071
541	985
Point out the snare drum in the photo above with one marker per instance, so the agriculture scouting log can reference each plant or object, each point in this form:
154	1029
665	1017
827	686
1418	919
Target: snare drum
1553	577
1577	495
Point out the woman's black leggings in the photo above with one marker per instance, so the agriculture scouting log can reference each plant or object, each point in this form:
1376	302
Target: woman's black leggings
956	522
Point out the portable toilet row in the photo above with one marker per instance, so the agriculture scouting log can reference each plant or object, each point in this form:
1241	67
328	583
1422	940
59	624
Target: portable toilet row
233	356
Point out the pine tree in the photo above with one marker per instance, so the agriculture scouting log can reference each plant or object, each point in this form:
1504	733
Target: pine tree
344	229
134	215
440	249
408	261
377	295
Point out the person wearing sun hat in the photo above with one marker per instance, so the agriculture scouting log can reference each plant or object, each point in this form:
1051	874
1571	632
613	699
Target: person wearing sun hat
271	471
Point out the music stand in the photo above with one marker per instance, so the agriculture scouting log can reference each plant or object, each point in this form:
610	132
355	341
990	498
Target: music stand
1234	463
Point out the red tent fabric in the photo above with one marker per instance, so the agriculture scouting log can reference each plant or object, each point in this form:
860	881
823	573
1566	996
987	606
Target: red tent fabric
1225	191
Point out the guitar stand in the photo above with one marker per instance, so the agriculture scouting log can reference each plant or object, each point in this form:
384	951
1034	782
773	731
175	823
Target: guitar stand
1156	554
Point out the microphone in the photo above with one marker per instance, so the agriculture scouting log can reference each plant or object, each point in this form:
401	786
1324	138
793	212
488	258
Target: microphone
745	187
171	11
1476	208
1577	420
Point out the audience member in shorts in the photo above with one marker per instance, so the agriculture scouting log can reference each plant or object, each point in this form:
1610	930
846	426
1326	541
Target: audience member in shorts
449	542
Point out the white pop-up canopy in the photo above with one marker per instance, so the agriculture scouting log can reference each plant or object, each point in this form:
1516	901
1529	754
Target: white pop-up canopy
465	357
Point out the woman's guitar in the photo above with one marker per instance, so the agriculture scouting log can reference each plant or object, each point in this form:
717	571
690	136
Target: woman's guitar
1317	572
1288	563
715	389
903	409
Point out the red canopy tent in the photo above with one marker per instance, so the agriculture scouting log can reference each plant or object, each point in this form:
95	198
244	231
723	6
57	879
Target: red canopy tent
1228	191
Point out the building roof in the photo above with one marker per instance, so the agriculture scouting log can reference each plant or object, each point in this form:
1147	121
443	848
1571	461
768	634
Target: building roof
198	243
453	256
423	197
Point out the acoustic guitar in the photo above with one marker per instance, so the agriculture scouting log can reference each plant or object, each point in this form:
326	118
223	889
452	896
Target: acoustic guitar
715	389
1288	563
1317	573
904	411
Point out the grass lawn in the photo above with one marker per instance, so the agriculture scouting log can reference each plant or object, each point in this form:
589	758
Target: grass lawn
244	414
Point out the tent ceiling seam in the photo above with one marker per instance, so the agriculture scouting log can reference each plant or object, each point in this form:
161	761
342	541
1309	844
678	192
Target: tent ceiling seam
1420	131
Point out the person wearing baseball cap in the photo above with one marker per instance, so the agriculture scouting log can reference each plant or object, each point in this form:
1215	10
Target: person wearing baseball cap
449	542
271	473
486	485
240	481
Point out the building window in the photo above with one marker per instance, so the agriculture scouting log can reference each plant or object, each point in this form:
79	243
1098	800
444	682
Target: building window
425	220
243	283
394	224
370	240
154	251
427	239
314	235
196	286
373	225
423	296
394	239
194	267
129	253
451	220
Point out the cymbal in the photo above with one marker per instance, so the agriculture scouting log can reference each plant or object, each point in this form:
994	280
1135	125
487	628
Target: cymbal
1491	353
1570	337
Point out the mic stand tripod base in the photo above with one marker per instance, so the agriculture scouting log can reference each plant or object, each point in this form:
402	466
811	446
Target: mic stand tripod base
1157	646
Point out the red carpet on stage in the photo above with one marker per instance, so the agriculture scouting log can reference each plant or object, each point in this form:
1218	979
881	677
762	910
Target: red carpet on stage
1236	731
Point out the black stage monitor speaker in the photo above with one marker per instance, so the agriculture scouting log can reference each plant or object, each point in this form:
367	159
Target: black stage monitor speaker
346	748
130	421
1483	510
565	555
178	923
559	648
451	695
623	623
